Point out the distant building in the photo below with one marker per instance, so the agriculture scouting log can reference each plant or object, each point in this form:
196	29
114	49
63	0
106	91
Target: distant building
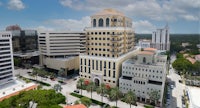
198	45
110	41
61	49
197	57
13	28
143	43
6	58
25	45
185	44
160	39
143	74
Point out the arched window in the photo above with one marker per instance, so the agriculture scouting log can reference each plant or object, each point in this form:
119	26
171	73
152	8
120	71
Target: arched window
94	22
100	22
144	60
107	22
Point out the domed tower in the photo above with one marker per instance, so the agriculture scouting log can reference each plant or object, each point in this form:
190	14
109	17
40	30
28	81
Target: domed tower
109	40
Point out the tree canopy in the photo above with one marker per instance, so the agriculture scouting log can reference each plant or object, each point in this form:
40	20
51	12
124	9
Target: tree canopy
43	98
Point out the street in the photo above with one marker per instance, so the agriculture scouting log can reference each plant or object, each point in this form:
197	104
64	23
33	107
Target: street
176	89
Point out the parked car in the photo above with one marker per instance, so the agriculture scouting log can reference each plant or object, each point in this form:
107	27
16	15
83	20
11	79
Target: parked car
76	91
171	86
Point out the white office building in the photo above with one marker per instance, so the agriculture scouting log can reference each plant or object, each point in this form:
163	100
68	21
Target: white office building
6	58
160	39
144	43
144	74
61	49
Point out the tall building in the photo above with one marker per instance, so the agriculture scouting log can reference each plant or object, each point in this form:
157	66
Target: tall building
6	58
25	46
160	39
61	49
143	43
110	41
144	74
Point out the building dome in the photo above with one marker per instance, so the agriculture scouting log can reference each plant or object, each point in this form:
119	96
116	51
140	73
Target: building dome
13	27
110	12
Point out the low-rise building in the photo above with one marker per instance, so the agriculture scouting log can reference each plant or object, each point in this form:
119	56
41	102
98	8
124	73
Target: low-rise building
197	57
144	74
143	43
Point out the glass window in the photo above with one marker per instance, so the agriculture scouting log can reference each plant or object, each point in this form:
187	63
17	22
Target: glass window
100	22
94	22
107	22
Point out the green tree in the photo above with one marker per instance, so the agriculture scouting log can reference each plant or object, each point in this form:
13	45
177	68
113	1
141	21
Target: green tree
115	94
130	98
86	101
196	67
90	87
57	87
154	96
101	90
80	84
182	64
17	61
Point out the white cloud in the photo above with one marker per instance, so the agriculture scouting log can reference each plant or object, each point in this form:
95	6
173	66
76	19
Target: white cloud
166	10
66	24
190	17
143	26
16	5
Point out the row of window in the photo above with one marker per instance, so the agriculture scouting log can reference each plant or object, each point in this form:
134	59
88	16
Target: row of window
142	69
105	64
142	75
103	55
105	80
109	33
138	91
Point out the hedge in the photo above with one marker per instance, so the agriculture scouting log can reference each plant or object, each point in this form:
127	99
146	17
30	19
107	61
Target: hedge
93	100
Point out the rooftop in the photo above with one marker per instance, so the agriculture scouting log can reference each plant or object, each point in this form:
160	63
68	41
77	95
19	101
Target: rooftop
194	96
110	12
146	53
150	49
75	106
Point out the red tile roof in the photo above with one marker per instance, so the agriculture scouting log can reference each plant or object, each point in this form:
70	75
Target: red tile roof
75	106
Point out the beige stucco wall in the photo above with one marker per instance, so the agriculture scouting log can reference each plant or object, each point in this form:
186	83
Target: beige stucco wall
57	64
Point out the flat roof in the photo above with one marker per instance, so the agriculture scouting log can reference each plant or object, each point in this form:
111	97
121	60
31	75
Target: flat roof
13	88
194	96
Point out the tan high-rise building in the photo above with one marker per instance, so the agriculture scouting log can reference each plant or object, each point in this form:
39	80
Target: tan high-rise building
109	42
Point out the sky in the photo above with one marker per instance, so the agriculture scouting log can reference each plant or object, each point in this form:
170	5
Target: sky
182	16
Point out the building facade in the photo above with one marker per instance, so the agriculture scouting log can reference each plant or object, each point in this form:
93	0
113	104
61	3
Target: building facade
143	43
110	41
144	74
160	39
60	50
6	58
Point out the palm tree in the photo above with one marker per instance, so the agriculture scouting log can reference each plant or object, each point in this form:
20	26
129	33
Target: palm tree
35	73
57	87
154	96
101	90
90	87
115	94
130	97
80	84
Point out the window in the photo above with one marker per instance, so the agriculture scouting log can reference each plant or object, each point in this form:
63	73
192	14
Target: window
144	60
85	61
104	64
100	65
113	65
97	65
93	64
109	65
100	22
113	74
104	72
109	73
85	69
81	61
89	62
94	22
107	22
